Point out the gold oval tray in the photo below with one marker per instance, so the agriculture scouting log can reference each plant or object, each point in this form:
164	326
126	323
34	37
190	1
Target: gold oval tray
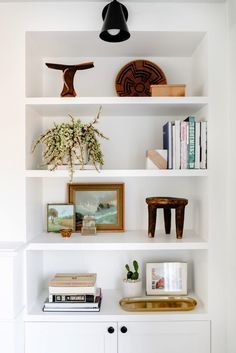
164	303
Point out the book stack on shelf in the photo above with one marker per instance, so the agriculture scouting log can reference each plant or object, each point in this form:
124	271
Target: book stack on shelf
73	292
186	144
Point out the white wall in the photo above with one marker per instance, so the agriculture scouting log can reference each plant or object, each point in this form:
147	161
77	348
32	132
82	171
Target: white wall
231	289
15	19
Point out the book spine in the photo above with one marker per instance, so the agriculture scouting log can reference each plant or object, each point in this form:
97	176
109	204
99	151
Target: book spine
203	145
72	290
70	309
177	144
65	283
191	146
183	144
174	147
61	298
167	143
197	145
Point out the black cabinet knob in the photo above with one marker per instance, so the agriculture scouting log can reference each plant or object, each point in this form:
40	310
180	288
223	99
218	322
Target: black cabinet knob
111	329
123	329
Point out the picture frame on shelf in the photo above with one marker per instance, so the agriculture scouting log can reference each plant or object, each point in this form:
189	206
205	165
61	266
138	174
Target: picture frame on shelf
104	200
60	216
166	278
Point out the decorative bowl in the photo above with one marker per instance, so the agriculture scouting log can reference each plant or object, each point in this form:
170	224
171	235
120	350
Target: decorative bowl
66	233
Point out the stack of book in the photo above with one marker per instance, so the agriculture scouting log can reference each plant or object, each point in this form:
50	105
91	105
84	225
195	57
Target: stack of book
73	292
186	144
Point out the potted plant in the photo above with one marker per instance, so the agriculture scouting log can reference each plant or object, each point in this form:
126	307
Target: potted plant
132	284
72	143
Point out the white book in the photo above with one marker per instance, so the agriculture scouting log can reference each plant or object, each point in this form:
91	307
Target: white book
197	145
183	145
71	309
177	144
173	143
71	290
203	147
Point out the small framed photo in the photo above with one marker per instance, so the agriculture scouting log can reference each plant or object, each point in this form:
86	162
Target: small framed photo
166	278
60	216
104	201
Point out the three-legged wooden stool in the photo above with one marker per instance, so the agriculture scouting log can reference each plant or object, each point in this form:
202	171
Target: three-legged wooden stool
166	203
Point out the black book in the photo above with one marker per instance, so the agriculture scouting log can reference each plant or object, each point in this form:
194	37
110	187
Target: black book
74	298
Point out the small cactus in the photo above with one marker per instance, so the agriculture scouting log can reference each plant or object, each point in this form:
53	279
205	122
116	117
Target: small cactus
129	273
135	264
127	267
133	275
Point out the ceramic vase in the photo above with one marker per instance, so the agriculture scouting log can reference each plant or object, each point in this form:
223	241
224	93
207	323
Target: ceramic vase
132	288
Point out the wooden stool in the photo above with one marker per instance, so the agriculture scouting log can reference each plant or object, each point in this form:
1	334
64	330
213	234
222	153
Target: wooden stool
166	203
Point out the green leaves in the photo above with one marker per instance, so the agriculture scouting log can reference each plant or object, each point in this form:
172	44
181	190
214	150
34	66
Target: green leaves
133	275
63	141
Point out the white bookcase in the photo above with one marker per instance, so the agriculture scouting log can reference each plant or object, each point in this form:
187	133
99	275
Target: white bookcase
133	126
189	40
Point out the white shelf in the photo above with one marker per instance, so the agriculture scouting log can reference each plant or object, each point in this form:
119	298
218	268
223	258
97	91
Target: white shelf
111	310
113	173
53	106
39	101
130	240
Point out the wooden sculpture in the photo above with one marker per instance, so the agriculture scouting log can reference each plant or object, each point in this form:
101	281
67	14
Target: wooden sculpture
135	78
166	203
68	76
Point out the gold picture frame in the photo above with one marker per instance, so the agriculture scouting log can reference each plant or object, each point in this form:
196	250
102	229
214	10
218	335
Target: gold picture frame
105	200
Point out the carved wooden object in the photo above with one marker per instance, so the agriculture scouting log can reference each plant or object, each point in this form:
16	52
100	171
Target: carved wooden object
68	76
166	203
135	78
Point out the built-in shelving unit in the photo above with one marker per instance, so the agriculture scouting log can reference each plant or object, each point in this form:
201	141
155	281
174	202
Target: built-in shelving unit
133	125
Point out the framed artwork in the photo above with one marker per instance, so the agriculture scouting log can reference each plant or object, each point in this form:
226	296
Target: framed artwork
104	201
60	216
167	278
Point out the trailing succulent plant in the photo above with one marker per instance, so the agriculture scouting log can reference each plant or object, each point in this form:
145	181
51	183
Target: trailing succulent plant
67	142
132	275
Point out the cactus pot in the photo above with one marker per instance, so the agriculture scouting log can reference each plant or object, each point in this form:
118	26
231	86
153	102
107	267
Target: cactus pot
132	288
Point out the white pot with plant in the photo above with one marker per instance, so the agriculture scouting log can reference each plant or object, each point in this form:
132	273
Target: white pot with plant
132	284
73	143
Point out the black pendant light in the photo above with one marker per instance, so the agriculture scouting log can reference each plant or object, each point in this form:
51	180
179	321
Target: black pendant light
114	28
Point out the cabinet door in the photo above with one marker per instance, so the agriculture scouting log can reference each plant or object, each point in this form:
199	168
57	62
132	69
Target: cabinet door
68	337
164	337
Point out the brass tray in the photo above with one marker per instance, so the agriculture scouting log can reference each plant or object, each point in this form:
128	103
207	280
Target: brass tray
164	303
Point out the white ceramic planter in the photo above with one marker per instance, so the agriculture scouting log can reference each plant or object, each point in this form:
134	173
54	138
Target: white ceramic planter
76	162
132	288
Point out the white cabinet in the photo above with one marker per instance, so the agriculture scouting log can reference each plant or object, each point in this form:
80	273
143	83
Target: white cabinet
124	337
164	337
46	337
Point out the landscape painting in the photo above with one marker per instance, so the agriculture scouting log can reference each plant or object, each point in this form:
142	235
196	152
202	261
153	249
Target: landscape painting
60	216
104	201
